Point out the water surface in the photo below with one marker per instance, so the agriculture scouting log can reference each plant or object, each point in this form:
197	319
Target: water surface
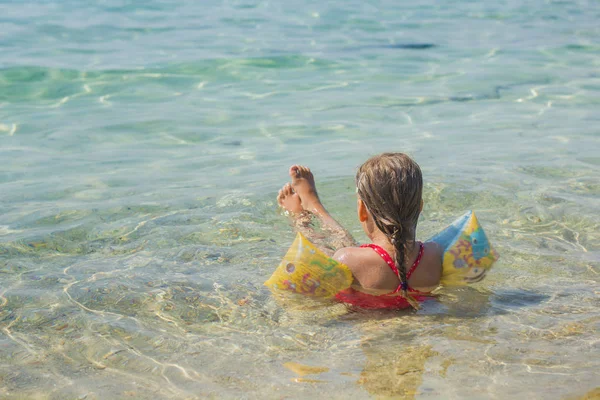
143	144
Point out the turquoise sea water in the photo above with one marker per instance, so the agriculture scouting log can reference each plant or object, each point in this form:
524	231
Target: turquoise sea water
142	144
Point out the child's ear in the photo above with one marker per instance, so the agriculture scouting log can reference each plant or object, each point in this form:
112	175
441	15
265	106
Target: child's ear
363	213
422	202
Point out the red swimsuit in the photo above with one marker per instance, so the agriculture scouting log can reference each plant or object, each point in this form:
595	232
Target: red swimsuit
370	301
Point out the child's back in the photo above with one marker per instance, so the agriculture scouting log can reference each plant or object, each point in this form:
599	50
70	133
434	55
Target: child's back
375	275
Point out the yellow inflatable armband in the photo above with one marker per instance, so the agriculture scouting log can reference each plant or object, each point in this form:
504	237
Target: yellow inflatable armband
467	257
468	254
307	270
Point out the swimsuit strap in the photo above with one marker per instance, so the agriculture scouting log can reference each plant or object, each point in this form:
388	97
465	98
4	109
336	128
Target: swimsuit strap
388	259
385	255
417	261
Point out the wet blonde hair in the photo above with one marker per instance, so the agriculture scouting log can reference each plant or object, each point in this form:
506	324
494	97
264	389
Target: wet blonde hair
391	187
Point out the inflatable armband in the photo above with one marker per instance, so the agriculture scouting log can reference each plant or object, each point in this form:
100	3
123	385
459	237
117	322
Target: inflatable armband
307	270
468	254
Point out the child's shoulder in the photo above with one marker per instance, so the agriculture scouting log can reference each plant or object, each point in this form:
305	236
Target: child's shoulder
429	271
352	256
367	267
433	250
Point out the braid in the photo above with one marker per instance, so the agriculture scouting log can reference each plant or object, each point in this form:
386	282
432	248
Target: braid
395	235
400	253
391	185
400	249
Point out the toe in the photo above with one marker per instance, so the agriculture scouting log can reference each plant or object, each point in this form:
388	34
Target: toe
304	171
287	189
294	171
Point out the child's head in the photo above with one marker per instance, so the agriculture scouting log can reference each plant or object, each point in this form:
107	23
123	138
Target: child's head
390	185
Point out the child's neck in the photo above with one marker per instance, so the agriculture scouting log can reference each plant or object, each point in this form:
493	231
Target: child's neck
379	238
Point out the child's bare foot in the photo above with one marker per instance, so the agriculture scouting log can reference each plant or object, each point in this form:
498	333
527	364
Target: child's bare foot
303	183
289	200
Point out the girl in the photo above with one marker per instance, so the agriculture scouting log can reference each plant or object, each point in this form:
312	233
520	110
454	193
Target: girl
395	270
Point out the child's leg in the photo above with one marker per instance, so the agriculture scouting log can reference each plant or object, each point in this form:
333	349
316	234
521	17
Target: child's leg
303	183
302	220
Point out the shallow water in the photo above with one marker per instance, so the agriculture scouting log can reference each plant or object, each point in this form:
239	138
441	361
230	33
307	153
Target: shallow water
142	146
